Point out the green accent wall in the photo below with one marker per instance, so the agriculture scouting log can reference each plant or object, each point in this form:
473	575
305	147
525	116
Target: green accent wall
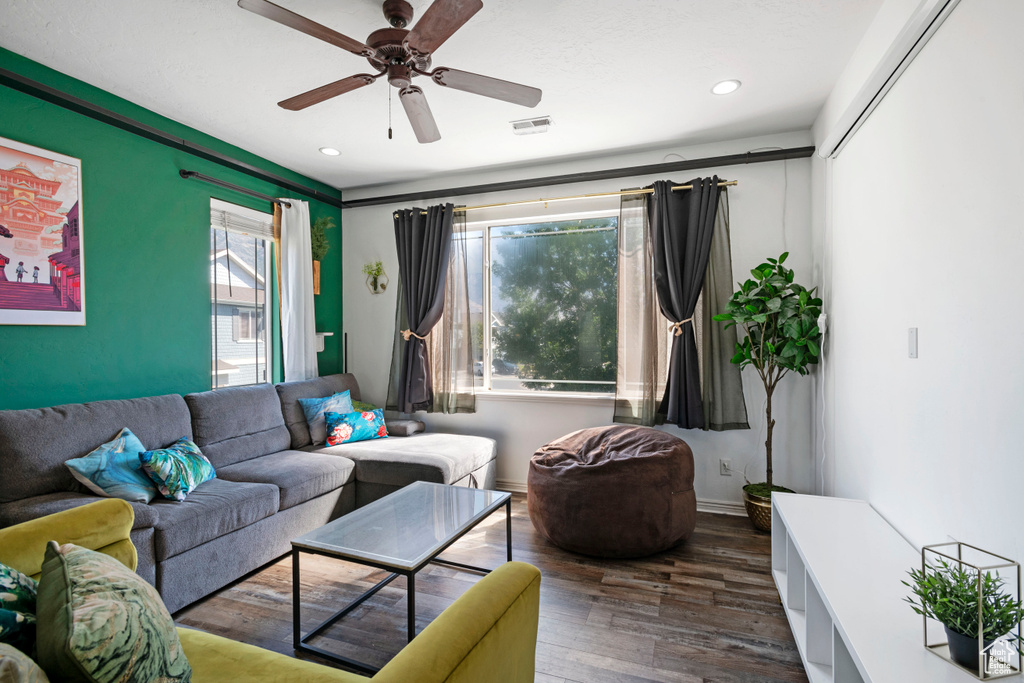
146	245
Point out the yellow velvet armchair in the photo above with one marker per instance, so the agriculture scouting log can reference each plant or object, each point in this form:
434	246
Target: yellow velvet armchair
489	635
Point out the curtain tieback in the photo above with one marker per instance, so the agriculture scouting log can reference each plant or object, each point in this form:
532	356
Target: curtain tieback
676	328
409	333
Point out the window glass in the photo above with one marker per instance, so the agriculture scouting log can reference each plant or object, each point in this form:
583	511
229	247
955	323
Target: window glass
239	268
552	306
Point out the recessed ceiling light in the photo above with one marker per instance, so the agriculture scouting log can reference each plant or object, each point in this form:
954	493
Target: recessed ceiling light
726	87
329	151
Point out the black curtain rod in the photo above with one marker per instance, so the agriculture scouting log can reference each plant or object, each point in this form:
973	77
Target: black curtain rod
231	186
70	102
650	169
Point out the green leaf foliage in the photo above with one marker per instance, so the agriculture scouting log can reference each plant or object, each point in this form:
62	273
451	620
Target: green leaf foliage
318	237
948	593
780	319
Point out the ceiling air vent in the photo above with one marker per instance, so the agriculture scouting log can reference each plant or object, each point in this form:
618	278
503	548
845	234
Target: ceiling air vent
531	126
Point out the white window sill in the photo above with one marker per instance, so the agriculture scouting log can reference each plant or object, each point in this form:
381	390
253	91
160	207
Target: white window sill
562	397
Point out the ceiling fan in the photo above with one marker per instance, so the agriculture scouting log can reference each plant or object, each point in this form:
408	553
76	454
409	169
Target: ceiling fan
401	54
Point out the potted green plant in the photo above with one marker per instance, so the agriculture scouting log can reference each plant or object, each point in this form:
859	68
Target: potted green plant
376	280
320	246
949	594
780	320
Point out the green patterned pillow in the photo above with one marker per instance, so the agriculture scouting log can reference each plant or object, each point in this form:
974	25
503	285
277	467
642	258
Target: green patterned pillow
17	609
178	469
100	622
362	407
18	667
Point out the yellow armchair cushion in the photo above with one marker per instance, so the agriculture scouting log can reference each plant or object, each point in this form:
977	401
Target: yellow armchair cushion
488	634
215	659
104	526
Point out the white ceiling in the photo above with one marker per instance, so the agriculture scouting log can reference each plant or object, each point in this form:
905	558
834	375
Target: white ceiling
616	74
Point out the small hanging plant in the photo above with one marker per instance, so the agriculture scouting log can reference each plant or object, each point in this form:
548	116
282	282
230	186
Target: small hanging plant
318	237
374	272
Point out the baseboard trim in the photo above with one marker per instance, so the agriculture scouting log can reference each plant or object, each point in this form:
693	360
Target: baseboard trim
718	507
510	486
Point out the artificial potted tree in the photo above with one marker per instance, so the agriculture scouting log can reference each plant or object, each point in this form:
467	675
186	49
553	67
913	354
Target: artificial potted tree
780	321
949	594
320	246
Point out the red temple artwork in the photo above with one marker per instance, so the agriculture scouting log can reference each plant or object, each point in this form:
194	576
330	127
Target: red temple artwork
41	266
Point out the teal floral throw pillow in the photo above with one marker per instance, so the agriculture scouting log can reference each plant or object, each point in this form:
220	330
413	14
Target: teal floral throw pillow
17	609
115	471
315	410
355	427
178	469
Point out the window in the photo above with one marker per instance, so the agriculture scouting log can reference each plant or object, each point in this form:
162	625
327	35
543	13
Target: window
543	300
240	240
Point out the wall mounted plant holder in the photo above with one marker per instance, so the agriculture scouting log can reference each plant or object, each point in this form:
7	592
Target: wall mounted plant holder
376	279
994	579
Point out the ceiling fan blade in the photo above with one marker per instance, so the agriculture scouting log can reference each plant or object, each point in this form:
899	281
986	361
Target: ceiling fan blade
267	9
326	92
418	111
439	22
487	86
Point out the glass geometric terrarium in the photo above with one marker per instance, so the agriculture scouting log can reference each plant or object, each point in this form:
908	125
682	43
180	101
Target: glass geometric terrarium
975	591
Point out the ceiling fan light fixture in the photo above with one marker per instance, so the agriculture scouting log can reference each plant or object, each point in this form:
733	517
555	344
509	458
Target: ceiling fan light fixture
726	87
330	151
540	124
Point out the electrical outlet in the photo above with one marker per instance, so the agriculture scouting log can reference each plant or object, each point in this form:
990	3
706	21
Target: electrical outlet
725	467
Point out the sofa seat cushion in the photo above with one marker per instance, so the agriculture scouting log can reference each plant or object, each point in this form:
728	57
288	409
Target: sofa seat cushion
300	476
215	508
39	506
441	458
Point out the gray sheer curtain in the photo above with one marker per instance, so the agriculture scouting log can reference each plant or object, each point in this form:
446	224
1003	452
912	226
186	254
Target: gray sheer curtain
722	387
644	338
448	344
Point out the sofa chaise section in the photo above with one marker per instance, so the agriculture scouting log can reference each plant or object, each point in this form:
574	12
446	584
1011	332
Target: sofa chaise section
386	465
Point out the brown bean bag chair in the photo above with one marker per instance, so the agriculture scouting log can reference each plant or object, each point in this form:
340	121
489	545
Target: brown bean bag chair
616	491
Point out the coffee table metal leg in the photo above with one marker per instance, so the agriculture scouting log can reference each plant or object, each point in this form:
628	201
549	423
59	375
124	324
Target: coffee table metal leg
508	527
296	606
412	606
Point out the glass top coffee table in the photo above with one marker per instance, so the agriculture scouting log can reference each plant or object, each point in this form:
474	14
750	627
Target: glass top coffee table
401	533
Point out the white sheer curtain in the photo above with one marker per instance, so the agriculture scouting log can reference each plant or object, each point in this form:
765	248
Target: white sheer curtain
298	317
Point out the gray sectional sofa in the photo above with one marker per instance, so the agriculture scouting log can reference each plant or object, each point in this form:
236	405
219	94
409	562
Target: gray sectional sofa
272	483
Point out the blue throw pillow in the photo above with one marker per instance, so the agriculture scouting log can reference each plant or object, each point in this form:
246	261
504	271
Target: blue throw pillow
316	408
178	469
355	426
115	471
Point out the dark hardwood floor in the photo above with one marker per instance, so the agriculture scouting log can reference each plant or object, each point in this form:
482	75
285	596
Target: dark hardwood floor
704	612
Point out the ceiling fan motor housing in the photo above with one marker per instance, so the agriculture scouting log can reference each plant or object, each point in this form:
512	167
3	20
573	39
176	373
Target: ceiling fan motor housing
388	45
398	13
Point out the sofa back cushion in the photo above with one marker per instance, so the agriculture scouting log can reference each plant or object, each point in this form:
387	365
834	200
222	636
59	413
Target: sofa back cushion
238	423
289	394
35	443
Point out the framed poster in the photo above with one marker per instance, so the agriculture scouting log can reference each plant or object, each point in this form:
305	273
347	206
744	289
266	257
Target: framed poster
42	272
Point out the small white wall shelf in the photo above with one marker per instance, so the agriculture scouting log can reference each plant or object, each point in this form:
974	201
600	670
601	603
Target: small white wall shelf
320	340
838	567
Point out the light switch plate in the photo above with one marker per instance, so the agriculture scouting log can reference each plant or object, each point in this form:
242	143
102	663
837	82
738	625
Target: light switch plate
912	343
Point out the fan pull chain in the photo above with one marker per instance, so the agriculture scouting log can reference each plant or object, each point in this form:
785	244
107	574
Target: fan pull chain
389	114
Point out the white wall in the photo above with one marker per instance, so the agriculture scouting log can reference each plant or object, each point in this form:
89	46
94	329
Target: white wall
521	426
925	207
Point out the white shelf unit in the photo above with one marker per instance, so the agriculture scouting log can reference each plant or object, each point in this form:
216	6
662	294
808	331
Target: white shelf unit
838	567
